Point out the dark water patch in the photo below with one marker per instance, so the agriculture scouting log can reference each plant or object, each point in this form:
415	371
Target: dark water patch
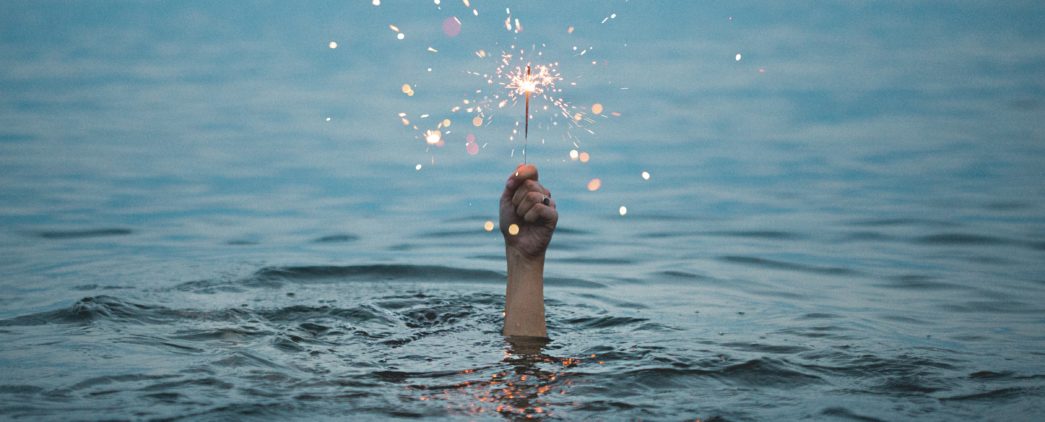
241	243
990	307
20	389
758	234
918	282
841	412
272	277
889	222
676	274
387	272
242	359
84	234
766	372
782	265
818	331
336	238
780	294
311	314
766	348
991	376
1007	205
594	261
867	236
89	287
108	308
819	315
962	239
902	319
603	322
619	303
997	395
228	334
114	379
452	233
208	286
16	137
664	235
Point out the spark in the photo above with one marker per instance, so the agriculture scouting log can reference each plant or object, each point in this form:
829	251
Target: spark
433	137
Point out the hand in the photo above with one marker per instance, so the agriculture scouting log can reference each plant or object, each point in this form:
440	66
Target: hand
523	204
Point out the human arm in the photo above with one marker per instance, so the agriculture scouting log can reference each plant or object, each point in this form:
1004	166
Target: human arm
526	205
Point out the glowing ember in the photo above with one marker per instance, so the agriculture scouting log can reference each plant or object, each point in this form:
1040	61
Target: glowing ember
596	108
594	184
513	230
623	210
417	167
584	157
333	44
488	226
645	175
477	121
433	137
739	57
573	155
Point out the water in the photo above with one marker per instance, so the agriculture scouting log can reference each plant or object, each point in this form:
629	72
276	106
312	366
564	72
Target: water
857	232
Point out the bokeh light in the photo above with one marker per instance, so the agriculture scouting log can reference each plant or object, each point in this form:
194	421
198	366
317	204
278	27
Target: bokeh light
594	184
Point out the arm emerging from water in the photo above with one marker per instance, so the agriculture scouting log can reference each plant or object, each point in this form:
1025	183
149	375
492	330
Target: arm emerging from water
528	219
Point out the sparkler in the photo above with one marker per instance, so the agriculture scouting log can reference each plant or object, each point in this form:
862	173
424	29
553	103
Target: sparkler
526	130
528	84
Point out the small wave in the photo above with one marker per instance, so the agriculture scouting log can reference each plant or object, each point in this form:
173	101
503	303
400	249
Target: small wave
376	272
90	309
766	348
918	282
336	238
275	277
885	222
758	234
83	234
604	322
961	239
841	412
995	395
782	265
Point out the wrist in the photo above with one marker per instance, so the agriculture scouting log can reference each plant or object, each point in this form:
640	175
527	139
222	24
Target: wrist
519	257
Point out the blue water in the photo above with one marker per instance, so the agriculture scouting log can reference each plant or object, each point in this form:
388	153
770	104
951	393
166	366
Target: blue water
847	223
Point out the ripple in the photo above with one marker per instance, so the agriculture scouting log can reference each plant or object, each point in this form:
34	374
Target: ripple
782	265
336	238
83	234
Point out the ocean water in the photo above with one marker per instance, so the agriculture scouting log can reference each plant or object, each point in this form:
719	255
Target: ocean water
208	213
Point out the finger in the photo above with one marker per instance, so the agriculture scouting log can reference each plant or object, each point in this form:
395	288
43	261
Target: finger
529	201
525	172
526	187
541	212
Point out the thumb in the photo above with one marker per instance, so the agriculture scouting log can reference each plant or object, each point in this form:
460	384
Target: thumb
525	171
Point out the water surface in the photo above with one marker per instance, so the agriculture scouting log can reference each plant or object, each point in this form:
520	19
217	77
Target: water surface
848	223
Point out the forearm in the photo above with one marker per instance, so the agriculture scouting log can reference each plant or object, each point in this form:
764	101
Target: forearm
524	299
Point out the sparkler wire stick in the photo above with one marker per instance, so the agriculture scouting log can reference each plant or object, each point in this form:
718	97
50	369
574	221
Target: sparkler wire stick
526	129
